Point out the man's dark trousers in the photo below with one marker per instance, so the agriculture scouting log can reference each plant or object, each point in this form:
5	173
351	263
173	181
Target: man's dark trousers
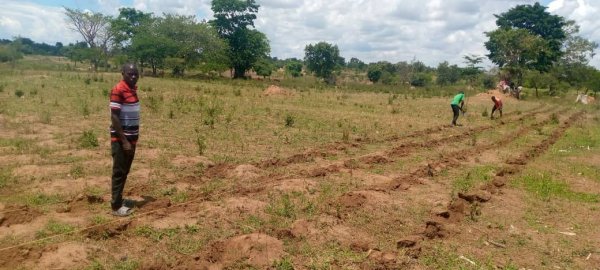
121	165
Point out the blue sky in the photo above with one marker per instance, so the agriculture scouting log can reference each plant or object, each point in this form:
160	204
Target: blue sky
392	30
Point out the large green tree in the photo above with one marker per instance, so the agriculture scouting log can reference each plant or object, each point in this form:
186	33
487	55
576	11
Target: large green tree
233	22
538	22
323	59
515	50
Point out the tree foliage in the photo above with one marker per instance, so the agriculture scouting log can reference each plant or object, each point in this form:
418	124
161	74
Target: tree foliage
323	59
232	21
447	74
294	68
540	23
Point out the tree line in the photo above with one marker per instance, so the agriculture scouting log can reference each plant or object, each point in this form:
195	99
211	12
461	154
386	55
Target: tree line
530	46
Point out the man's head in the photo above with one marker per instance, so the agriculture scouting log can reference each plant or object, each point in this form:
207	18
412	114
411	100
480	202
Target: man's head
461	92
494	98
130	74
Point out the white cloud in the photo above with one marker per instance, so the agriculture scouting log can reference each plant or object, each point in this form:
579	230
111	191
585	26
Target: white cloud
392	30
584	12
40	23
200	8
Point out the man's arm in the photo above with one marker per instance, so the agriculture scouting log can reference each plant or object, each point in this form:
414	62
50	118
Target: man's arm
116	124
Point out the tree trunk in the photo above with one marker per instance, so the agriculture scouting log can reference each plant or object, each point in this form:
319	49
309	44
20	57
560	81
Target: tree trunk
536	92
238	73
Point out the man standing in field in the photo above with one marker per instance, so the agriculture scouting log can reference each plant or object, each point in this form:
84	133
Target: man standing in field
497	106
125	119
458	99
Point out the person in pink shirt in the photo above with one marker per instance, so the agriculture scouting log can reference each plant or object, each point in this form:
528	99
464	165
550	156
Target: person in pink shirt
497	106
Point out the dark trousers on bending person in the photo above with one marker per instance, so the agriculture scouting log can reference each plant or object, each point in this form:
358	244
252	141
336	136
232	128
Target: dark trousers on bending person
456	111
121	165
494	109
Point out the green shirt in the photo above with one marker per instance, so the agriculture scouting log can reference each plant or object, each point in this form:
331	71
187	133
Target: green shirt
457	99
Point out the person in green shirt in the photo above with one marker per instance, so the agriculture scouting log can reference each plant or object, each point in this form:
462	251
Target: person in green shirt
456	109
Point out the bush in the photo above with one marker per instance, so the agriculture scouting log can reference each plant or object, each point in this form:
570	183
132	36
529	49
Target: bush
289	121
489	82
420	79
88	139
19	93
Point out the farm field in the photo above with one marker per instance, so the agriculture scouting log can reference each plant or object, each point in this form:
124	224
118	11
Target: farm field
228	176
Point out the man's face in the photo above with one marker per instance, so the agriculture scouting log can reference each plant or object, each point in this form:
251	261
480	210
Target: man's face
130	75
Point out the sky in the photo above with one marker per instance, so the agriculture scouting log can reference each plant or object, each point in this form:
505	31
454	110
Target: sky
431	31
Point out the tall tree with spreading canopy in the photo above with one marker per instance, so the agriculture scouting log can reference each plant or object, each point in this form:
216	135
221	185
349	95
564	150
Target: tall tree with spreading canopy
323	59
538	22
233	21
528	37
95	30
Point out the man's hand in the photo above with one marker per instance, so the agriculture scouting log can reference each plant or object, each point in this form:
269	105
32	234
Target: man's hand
127	147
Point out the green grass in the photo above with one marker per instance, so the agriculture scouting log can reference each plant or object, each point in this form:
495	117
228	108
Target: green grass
54	227
545	187
6	177
472	178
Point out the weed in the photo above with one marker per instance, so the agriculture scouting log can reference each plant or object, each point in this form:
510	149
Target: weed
41	199
6	177
76	171
33	92
191	229
545	188
554	119
179	197
88	139
45	117
19	93
251	224
346	135
289	120
84	109
185	245
472	178
283	264
2	86
99	219
87	81
154	103
284	207
395	110
200	143
237	92
95	265
484	113
126	265
54	227
171	114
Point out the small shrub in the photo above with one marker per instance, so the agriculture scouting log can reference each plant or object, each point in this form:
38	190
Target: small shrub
237	92
284	264
484	113
201	144
76	171
19	93
85	109
45	117
554	118
88	139
289	120
87	81
346	135
2	87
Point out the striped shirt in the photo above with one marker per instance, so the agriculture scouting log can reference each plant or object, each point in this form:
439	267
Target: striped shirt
125	102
